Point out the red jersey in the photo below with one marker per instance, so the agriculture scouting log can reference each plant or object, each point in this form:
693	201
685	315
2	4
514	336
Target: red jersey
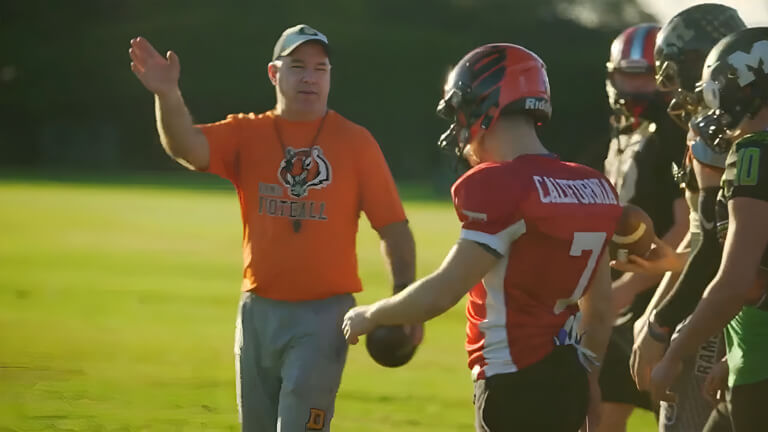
549	220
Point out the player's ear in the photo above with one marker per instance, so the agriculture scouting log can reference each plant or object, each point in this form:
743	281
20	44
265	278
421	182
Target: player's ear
272	68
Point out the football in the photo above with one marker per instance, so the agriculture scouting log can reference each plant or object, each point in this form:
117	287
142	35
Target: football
390	346
633	235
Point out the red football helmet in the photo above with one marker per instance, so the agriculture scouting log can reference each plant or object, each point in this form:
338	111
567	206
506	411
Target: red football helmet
488	79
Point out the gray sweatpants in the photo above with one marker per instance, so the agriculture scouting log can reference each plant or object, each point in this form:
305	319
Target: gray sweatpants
289	357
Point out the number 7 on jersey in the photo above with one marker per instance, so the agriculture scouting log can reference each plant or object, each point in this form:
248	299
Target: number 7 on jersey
583	241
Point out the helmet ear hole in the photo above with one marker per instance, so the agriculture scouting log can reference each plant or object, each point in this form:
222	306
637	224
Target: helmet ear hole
486	123
489	108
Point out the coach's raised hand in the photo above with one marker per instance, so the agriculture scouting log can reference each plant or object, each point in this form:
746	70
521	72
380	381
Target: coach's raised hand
158	74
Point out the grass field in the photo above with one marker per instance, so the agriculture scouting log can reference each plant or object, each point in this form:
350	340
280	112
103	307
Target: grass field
118	301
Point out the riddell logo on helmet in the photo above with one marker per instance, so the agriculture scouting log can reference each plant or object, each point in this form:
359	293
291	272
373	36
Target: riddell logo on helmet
537	104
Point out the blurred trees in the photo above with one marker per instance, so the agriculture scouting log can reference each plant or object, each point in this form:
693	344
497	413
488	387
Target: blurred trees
69	99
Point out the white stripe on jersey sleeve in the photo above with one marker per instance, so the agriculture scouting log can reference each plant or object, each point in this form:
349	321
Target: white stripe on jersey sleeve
501	241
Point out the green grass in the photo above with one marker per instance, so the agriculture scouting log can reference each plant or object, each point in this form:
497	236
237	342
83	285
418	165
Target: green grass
117	307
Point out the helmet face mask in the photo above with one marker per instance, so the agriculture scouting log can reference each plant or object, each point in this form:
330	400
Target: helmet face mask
629	108
683	107
630	103
488	79
666	76
713	129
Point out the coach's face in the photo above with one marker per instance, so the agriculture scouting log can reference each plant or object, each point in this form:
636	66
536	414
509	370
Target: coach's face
303	79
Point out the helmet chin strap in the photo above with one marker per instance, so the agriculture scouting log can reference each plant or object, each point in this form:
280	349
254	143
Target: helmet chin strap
454	141
464	139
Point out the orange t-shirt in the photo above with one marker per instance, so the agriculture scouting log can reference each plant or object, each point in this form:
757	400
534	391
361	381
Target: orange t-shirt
319	190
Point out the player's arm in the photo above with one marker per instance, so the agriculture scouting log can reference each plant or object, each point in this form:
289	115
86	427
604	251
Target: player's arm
698	272
160	75
633	283
745	243
596	324
596	311
669	280
704	261
399	250
464	266
647	349
679	230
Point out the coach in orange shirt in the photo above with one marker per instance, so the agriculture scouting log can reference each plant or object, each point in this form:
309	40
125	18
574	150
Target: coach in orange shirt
302	173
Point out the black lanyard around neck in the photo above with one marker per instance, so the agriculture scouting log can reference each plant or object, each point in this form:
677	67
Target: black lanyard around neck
313	143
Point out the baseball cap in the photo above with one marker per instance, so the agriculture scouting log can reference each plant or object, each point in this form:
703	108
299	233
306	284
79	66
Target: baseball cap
294	36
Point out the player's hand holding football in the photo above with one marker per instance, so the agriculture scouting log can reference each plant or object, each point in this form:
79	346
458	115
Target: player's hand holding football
660	259
159	74
357	322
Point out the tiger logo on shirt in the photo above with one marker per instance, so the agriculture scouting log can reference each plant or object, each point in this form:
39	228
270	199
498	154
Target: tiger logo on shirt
303	169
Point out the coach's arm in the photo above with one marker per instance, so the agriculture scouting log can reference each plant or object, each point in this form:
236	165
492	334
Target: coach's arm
160	75
399	250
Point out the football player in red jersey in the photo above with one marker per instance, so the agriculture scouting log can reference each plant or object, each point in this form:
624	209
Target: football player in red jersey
530	254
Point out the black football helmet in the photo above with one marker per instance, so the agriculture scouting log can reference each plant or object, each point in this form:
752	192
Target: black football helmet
488	79
681	47
734	85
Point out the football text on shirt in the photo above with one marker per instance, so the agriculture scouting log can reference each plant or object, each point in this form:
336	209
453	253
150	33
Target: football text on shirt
271	203
584	191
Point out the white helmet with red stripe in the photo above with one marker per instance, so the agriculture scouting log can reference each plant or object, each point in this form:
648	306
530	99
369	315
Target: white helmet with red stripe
632	53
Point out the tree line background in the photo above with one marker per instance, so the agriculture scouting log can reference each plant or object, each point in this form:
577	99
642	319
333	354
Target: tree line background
68	99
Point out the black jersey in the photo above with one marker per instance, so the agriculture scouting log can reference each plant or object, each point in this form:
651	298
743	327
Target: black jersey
639	164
